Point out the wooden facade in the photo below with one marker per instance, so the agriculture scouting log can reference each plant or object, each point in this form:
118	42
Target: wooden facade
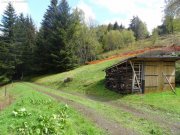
142	75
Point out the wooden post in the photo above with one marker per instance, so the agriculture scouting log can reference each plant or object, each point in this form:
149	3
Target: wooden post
5	91
169	83
142	79
12	84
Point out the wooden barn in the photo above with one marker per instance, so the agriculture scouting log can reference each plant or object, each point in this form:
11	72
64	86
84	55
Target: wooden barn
150	72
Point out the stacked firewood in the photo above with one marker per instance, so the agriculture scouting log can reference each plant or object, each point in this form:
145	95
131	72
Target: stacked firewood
119	78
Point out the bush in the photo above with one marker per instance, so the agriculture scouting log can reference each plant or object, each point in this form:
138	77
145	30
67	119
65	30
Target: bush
45	124
116	39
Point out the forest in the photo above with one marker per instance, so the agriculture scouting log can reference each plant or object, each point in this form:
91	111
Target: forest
65	41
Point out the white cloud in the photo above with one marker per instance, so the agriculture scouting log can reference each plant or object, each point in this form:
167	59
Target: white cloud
21	6
151	12
89	14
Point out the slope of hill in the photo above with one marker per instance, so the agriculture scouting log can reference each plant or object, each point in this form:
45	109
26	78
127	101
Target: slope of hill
85	86
100	110
103	111
89	78
162	41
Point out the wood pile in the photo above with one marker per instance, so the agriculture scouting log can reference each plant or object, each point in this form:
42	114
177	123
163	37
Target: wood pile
119	78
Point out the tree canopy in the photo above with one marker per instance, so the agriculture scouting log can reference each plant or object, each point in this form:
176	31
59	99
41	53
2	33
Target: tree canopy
139	28
64	39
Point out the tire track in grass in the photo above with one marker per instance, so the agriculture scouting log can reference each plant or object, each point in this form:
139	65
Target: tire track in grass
161	120
164	122
112	127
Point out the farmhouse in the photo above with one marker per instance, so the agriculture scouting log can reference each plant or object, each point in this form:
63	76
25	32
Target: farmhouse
150	72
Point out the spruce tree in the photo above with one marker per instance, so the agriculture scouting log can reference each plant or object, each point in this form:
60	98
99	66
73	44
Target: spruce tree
63	58
45	39
54	38
17	45
8	57
121	27
116	26
25	37
6	63
8	22
110	27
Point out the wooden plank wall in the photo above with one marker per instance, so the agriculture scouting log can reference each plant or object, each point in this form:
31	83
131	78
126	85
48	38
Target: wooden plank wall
169	71
154	80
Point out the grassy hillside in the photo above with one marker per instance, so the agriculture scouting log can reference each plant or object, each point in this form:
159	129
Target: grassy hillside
148	113
87	88
156	113
89	80
161	41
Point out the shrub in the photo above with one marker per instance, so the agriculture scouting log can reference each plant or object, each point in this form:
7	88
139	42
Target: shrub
44	124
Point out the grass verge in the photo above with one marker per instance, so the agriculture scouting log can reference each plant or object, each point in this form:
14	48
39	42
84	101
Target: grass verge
141	125
30	107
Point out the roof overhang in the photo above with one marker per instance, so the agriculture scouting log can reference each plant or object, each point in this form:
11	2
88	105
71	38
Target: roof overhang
155	58
144	58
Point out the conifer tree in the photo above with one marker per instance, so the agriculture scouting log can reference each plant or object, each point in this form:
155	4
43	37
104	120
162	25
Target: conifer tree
110	27
45	39
139	28
54	38
8	22
116	26
8	57
62	55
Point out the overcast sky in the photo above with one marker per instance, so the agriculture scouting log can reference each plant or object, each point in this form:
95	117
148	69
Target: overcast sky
103	11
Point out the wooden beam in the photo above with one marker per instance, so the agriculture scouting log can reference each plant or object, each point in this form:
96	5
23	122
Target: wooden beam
169	83
135	76
5	91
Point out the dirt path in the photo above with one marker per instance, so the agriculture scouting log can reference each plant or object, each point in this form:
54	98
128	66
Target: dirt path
161	120
112	127
165	122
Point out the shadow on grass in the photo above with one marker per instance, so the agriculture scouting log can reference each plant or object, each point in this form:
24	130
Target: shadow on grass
93	90
98	92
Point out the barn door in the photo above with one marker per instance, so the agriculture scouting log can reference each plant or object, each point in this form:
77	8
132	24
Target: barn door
169	72
151	76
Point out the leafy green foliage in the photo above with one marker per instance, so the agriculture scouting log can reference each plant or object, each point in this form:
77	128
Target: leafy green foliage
172	8
176	25
22	112
139	28
87	45
44	124
154	36
118	39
